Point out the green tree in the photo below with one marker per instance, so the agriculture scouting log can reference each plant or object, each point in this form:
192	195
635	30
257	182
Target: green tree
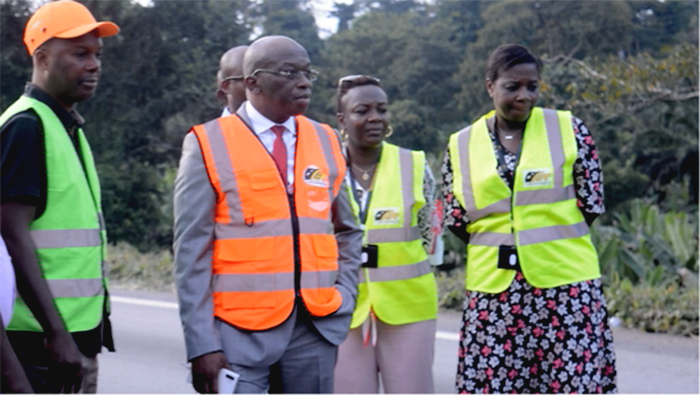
661	24
550	29
391	6
463	18
15	63
345	13
644	113
297	24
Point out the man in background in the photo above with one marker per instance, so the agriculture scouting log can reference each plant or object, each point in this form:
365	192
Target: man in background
231	84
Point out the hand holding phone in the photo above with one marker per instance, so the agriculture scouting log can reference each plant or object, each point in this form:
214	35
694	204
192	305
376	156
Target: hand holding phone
227	381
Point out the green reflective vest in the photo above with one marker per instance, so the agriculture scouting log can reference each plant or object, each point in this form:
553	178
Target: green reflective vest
69	236
402	288
539	216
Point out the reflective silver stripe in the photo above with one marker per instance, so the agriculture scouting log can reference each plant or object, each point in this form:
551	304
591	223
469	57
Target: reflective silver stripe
62	288
258	229
328	153
224	170
399	272
272	228
253	282
317	279
406	170
463	144
403	234
272	282
54	239
502	206
312	225
556	194
551	120
491	239
552	233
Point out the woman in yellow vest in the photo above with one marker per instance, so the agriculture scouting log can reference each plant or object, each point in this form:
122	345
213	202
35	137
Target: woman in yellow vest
521	186
392	333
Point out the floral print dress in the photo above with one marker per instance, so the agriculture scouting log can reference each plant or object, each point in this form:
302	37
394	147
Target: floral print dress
531	340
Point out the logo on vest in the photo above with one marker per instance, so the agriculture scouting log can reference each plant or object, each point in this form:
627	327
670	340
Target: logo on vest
386	216
537	177
314	176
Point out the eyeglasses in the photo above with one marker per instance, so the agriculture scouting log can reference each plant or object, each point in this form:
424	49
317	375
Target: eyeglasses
233	78
359	79
310	74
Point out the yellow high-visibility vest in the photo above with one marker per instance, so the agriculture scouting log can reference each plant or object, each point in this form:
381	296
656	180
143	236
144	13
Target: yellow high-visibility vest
539	216
402	288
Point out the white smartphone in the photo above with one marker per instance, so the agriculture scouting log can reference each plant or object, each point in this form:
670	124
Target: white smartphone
227	381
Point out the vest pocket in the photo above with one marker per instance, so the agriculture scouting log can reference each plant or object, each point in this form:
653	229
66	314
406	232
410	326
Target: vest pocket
264	180
244	249
325	246
267	197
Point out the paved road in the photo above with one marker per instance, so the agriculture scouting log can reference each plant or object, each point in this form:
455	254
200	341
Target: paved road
151	353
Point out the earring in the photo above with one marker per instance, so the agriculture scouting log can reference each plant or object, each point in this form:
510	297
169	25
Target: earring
343	134
389	131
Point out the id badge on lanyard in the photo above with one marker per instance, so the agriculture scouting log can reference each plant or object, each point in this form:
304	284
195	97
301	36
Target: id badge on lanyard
370	253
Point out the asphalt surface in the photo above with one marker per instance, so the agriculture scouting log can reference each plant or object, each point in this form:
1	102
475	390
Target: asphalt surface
150	355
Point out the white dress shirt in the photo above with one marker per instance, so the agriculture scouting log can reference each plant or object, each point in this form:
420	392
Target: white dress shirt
225	112
262	127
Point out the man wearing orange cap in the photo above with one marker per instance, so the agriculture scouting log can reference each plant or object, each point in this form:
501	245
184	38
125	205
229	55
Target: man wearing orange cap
50	211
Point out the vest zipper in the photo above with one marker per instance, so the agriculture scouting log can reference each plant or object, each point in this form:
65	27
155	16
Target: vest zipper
297	254
512	187
501	157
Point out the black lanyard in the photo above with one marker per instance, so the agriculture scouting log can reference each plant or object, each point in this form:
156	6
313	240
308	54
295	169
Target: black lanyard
502	164
363	210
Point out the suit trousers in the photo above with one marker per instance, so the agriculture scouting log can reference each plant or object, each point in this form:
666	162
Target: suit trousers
306	365
403	358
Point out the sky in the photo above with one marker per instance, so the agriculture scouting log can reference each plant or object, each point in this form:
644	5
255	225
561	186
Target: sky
327	25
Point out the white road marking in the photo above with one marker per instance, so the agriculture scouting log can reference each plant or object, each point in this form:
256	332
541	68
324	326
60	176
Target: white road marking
140	301
444	335
440	335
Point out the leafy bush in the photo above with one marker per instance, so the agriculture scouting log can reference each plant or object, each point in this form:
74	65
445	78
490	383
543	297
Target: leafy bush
132	269
649	262
668	309
451	290
647	246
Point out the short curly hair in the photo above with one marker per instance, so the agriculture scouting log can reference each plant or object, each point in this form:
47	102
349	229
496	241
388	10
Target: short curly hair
348	82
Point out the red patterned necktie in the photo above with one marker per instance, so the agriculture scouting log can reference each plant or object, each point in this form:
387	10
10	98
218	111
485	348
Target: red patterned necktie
279	151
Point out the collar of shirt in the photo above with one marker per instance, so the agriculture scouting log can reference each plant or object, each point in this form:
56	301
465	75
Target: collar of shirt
261	124
71	120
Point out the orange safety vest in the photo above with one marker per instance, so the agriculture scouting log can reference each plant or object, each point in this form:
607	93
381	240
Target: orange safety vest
271	245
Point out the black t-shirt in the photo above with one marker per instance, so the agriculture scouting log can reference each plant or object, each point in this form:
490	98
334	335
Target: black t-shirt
23	180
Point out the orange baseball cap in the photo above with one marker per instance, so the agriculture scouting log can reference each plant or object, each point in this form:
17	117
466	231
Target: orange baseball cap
64	19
